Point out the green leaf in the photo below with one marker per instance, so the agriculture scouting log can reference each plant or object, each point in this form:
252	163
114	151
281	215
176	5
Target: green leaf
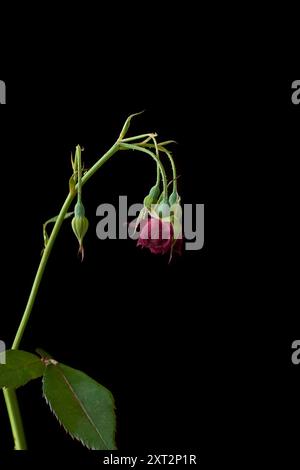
84	407
20	368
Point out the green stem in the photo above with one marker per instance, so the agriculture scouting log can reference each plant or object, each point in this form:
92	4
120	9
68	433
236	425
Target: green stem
100	163
157	175
157	155
15	418
41	270
9	394
166	151
79	173
163	149
49	246
161	167
148	137
137	137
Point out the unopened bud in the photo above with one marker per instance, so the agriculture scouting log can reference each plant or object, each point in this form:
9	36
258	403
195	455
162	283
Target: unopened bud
174	198
154	193
80	225
163	209
152	197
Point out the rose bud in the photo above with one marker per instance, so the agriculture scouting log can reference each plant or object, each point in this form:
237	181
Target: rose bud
80	225
162	232
152	197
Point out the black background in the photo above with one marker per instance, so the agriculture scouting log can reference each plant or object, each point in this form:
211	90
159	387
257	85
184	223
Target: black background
196	353
124	316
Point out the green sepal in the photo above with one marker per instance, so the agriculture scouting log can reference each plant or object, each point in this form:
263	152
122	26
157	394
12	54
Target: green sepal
79	210
152	197
80	226
174	198
127	125
163	209
154	193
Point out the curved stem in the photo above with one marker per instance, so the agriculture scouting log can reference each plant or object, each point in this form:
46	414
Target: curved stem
169	154
49	246
100	162
154	145
158	175
136	137
163	149
161	167
152	136
10	394
41	269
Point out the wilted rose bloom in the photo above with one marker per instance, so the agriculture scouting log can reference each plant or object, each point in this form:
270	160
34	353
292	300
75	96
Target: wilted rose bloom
158	236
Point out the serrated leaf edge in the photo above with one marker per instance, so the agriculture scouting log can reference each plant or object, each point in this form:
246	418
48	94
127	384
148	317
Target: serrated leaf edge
73	435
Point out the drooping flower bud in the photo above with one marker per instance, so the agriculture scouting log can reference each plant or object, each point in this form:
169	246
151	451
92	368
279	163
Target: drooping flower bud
163	209
80	225
152	197
154	193
176	214
174	198
162	232
149	201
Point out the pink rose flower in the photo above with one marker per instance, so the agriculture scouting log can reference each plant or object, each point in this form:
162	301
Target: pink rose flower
158	236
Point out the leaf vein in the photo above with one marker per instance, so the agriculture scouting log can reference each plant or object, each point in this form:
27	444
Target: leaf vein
82	407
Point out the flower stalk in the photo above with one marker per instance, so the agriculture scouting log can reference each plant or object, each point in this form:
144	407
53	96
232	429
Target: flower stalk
80	225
